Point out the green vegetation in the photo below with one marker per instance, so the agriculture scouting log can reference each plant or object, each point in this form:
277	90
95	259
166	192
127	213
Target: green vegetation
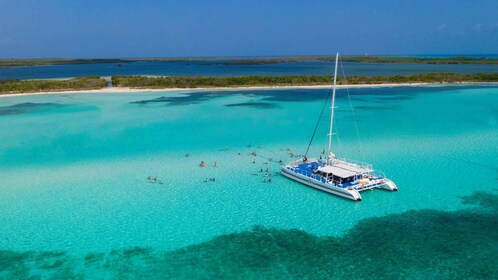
252	60
195	82
82	83
94	82
422	78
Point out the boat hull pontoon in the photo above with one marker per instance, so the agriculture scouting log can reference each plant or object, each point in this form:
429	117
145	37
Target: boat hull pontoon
308	173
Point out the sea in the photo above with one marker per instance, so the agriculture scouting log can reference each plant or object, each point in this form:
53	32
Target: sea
77	200
226	68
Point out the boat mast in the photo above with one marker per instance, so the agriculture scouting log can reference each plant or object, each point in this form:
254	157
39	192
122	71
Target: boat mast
332	109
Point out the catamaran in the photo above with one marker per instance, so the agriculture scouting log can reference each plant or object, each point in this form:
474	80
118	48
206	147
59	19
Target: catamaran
342	177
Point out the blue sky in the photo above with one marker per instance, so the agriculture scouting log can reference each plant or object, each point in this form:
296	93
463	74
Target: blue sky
90	28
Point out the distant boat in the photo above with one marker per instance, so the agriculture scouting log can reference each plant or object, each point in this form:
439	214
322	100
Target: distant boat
345	178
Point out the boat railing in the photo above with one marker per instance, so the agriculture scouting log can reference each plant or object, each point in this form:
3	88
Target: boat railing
354	163
296	162
308	174
378	173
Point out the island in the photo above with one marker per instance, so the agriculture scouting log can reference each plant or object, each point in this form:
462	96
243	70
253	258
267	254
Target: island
253	60
187	82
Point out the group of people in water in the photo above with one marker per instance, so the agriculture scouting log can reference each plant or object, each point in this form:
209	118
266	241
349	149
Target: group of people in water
266	172
203	164
154	180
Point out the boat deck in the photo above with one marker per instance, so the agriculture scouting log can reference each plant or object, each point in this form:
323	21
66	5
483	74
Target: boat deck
306	169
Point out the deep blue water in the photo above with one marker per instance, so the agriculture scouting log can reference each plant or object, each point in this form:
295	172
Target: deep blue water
220	68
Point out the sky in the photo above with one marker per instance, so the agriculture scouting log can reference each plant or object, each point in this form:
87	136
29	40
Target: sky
147	28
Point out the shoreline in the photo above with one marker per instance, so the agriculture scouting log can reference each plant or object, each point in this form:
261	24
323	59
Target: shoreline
133	90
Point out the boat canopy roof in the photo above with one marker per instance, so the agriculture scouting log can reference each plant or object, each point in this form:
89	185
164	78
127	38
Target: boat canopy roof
352	167
337	171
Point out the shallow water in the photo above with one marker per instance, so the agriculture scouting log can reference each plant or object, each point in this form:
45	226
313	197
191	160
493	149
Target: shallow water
76	200
222	68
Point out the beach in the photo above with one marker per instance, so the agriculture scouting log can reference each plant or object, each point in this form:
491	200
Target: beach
134	90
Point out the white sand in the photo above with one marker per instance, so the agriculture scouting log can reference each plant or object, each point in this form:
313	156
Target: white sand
128	90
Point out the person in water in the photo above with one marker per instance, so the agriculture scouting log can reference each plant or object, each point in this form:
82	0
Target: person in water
215	163
202	164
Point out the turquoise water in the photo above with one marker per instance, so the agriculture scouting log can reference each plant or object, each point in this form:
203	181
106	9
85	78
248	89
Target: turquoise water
222	68
76	200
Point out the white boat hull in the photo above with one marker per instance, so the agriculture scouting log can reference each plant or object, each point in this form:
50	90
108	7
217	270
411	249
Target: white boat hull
349	194
390	186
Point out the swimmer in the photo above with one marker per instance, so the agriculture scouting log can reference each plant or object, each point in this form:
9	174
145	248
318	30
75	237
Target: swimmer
202	164
269	180
205	180
215	164
253	161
